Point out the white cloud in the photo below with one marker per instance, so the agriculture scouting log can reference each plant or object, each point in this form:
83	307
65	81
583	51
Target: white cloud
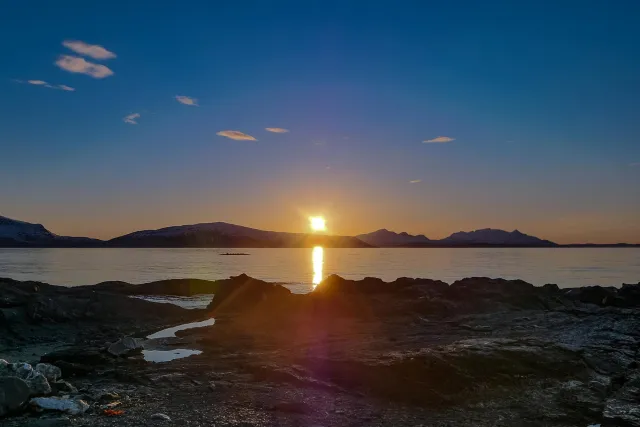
92	50
277	130
237	135
45	84
186	100
439	139
74	64
415	181
131	118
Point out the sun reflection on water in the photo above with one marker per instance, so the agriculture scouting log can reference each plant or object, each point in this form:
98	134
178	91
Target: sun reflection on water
317	259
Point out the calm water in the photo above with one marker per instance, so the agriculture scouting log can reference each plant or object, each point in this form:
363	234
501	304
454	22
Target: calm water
301	268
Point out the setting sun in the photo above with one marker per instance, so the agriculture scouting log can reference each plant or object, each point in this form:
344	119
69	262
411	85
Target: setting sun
317	223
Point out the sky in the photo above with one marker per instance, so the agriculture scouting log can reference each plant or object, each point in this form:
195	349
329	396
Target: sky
424	117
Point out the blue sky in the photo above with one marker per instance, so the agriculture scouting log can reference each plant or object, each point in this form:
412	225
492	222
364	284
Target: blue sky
540	101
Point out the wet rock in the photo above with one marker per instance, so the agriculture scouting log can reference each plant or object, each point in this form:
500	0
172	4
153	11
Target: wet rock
125	347
160	417
580	398
597	295
70	406
14	393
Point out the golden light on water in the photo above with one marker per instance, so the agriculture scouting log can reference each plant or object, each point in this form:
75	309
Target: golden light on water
317	259
317	223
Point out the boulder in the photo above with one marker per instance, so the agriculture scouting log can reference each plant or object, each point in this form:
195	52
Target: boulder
14	393
125	347
242	292
597	295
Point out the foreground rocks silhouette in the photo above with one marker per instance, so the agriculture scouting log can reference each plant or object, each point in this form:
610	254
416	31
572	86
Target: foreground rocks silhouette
484	352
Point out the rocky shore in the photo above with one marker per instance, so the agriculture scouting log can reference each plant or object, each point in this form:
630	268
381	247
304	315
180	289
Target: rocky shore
477	352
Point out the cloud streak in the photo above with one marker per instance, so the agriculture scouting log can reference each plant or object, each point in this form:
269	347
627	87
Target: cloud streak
634	164
186	100
45	84
91	50
415	181
236	135
132	118
277	130
439	140
75	64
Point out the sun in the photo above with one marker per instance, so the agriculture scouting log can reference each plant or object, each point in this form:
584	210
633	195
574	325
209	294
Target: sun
317	223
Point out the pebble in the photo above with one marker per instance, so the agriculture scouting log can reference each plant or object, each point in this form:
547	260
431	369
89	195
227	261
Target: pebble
162	417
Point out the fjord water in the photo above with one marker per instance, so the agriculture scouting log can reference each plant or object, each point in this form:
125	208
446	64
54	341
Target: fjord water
301	268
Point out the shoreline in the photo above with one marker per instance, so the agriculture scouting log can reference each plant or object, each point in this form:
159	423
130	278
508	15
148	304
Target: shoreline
479	351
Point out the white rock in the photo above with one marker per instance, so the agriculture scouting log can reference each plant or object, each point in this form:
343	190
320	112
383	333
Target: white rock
125	346
160	417
70	406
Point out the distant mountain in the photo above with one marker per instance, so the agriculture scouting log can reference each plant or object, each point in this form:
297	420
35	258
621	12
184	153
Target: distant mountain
224	235
490	236
386	238
14	233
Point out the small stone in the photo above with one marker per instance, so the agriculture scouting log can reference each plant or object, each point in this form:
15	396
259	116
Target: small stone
161	417
212	386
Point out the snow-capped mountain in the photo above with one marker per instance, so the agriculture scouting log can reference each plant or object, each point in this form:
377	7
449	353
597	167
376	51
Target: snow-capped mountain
386	238
21	233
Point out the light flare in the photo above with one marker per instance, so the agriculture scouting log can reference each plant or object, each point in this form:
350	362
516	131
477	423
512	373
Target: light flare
317	259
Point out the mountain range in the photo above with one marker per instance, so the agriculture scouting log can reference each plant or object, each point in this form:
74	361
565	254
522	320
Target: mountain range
14	233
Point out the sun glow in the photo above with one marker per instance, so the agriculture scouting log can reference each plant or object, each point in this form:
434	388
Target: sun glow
317	223
317	259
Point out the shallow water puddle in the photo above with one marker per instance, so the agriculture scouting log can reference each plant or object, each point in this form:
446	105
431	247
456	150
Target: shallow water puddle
159	356
191	303
171	332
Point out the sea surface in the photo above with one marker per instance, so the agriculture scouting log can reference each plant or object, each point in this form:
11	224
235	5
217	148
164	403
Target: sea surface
301	269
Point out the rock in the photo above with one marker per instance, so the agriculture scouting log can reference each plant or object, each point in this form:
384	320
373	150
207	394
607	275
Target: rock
597	295
70	406
14	393
37	382
212	386
63	387
50	372
73	369
125	347
161	417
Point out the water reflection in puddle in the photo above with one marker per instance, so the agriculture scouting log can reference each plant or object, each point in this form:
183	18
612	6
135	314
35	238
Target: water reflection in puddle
171	332
159	356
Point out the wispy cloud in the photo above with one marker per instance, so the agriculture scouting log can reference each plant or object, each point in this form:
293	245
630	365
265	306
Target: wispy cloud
237	135
277	130
132	118
634	164
92	50
439	140
415	181
44	84
74	64
186	100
